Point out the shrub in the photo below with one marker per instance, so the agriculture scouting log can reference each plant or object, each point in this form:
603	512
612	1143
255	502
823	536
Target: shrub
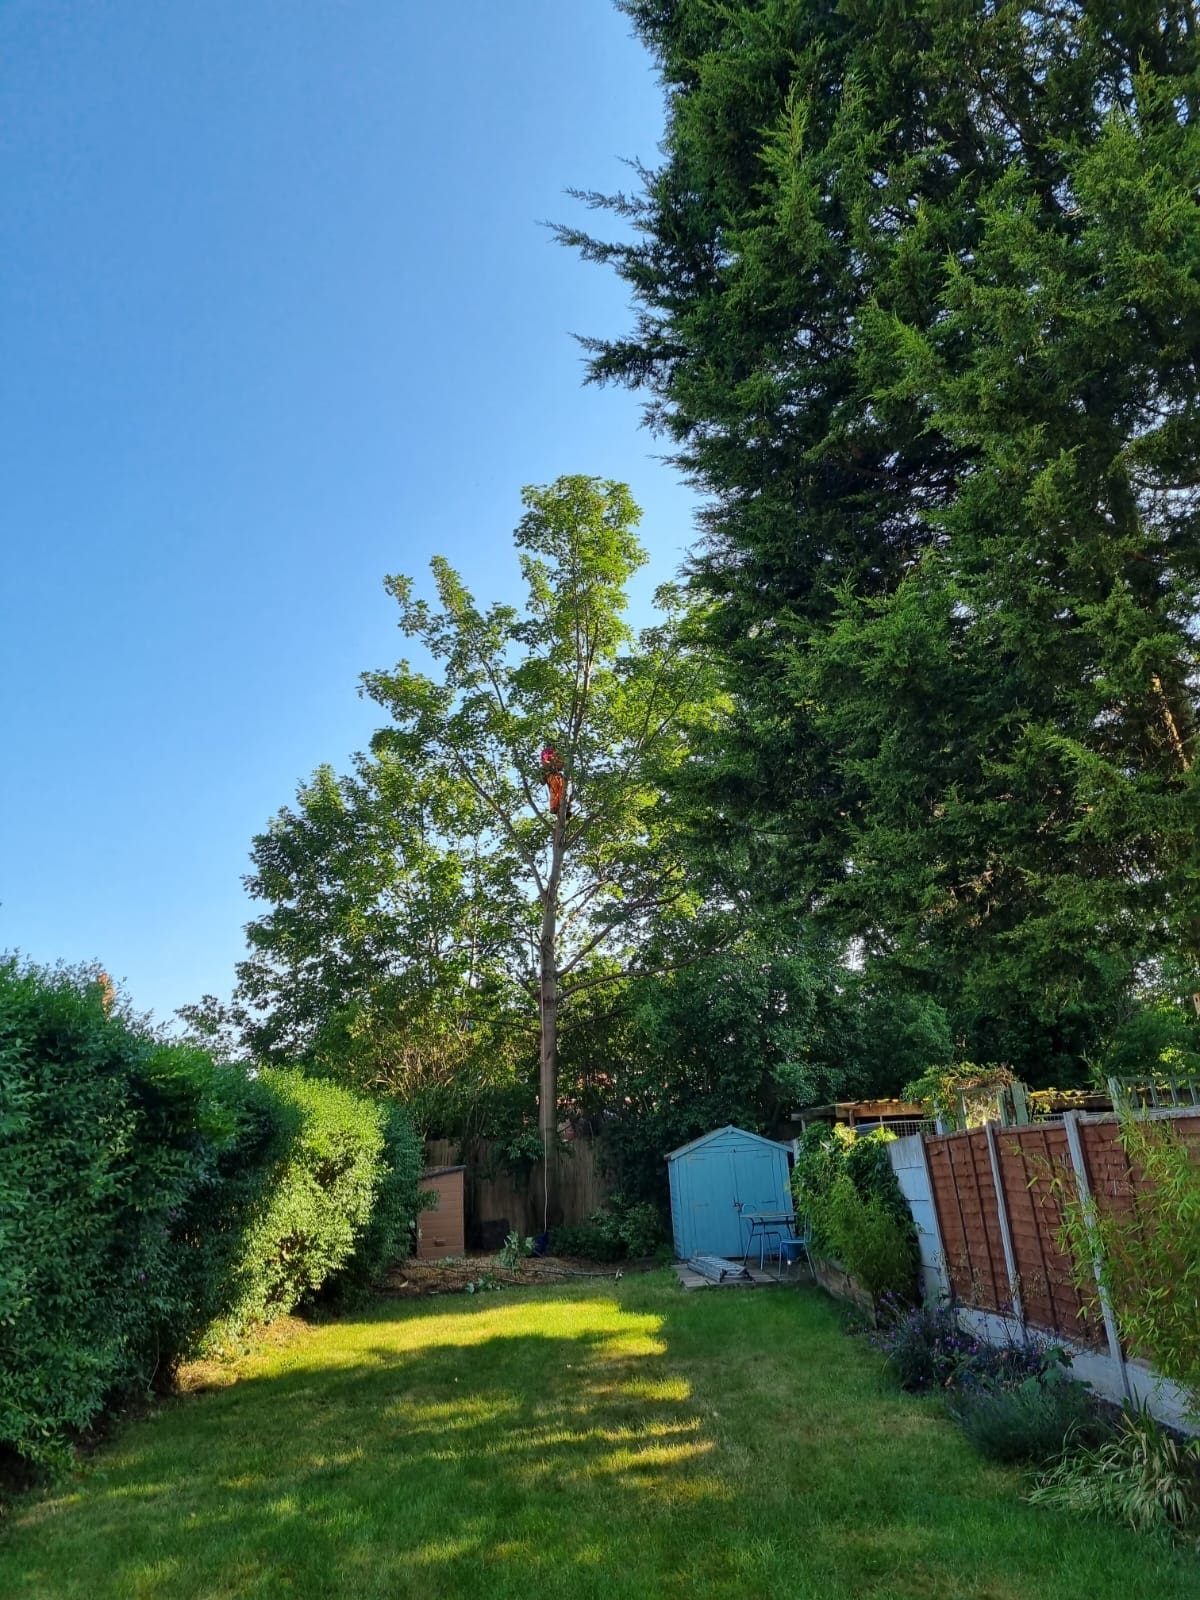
148	1192
390	1230
1030	1422
1143	1476
319	1224
241	1132
641	1229
620	1228
922	1345
514	1250
868	1165
820	1161
591	1240
876	1248
927	1349
847	1189
1005	1366
127	1168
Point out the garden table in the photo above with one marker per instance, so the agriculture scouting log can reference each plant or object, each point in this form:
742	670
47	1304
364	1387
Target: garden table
762	1225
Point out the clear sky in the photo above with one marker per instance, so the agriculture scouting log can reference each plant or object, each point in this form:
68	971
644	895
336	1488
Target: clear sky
277	317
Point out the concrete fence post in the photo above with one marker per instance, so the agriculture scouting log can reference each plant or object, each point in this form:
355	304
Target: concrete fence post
1084	1189
941	1267
1010	1258
909	1163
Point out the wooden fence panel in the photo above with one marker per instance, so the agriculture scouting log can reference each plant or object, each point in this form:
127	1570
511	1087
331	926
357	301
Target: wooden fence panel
494	1194
442	1152
1032	1161
1114	1182
1036	1174
949	1218
965	1196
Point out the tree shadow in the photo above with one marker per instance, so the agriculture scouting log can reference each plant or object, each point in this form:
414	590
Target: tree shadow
490	1449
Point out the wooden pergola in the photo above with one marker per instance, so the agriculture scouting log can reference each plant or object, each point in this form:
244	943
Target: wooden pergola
850	1113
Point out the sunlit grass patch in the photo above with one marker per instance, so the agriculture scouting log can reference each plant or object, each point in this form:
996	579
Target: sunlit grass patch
560	1443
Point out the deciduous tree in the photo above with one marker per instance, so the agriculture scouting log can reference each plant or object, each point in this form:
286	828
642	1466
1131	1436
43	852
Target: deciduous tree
437	875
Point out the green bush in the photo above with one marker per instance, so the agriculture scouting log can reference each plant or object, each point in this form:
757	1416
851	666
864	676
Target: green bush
927	1349
923	1345
873	1245
120	1211
820	1161
620	1228
870	1169
846	1188
514	1251
389	1232
148	1193
592	1240
320	1225
1031	1422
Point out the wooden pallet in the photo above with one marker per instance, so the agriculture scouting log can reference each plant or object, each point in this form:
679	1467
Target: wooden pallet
747	1278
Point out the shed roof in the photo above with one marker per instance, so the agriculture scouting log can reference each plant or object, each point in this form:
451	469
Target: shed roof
440	1172
717	1133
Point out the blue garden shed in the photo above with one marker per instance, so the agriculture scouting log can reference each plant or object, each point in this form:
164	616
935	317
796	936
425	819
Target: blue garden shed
718	1182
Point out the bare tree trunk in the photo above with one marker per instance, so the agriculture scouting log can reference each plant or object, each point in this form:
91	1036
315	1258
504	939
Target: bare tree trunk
548	996
548	1082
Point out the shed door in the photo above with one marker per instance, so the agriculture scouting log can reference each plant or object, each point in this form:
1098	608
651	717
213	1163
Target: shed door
714	1222
758	1178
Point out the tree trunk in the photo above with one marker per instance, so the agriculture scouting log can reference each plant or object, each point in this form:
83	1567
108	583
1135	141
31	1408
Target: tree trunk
548	1082
548	997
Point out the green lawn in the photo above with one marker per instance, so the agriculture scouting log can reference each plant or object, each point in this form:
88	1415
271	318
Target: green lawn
600	1440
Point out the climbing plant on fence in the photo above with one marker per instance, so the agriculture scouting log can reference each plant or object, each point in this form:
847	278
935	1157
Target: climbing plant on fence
1148	1255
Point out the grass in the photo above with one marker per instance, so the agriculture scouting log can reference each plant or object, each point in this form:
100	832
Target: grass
617	1441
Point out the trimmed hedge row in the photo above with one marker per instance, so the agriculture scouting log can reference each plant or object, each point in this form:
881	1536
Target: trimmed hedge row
154	1202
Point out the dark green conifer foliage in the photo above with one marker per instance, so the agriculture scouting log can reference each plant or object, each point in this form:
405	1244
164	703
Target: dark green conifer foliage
918	291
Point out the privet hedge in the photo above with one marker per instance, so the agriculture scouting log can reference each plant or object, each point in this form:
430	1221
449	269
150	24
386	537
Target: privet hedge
337	1210
153	1201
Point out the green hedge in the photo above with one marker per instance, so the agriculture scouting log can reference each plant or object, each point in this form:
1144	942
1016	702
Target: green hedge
390	1231
151	1198
340	1206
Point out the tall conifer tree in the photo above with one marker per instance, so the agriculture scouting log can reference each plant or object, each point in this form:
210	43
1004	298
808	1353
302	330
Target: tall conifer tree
919	304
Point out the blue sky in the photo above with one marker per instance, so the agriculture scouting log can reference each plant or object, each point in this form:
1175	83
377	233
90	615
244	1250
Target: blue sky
278	317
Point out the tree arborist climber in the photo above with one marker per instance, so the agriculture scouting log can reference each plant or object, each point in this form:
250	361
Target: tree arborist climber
552	772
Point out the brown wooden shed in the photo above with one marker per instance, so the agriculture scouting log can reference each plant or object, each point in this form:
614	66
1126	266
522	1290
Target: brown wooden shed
441	1228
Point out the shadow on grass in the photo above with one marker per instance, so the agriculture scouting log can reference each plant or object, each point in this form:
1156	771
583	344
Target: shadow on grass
550	1444
429	1453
